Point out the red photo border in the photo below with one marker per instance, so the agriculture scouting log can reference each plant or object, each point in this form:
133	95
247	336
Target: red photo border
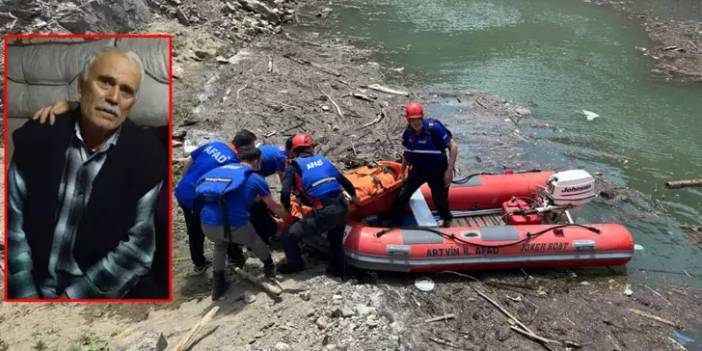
169	38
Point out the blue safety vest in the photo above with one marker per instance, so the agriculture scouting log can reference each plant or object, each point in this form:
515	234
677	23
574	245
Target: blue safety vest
205	158
223	204
425	150
318	177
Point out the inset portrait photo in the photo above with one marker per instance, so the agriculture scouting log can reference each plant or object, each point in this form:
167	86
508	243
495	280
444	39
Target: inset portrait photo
87	164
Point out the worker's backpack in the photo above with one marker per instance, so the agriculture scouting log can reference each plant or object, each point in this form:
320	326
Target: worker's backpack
434	138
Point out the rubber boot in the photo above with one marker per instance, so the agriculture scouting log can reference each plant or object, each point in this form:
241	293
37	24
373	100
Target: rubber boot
219	285
269	268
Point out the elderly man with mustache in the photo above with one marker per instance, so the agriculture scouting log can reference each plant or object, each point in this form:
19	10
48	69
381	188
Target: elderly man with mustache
83	192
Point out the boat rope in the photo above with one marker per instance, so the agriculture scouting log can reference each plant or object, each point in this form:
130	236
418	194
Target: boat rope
529	236
467	178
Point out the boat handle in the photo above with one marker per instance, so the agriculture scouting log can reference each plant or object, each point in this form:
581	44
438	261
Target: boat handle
583	245
398	250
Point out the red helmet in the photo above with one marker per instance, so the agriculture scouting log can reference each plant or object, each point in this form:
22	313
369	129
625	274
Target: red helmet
414	110
301	140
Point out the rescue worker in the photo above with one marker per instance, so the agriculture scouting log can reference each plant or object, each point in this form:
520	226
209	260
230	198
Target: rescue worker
321	185
226	194
425	141
273	161
204	159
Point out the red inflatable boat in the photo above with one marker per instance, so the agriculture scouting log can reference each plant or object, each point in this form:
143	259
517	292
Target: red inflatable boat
500	221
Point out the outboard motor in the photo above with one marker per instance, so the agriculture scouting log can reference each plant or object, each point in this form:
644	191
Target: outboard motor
565	193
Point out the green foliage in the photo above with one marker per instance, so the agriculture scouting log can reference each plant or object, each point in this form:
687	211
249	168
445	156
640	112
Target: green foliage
39	346
90	342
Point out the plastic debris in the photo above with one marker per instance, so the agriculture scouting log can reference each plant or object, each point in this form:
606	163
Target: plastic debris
638	247
424	284
682	338
590	115
249	299
628	291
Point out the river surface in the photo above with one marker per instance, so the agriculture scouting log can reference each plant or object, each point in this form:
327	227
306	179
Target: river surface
558	58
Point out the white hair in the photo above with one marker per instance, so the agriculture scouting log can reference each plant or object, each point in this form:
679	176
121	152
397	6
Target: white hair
131	55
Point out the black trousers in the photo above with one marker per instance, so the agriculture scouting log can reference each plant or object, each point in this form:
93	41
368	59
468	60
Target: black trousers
263	221
196	238
330	218
418	176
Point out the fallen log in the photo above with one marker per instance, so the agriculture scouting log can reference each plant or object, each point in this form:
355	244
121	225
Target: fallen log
382	89
676	184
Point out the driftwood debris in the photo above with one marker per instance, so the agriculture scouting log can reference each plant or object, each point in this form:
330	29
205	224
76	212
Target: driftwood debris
382	89
362	97
659	295
185	342
239	90
653	317
287	35
523	329
677	184
272	133
462	275
694	228
532	336
338	109
440	318
380	116
272	290
313	64
504	311
281	104
477	101
443	342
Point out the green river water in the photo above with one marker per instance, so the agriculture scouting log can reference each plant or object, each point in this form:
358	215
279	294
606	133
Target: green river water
557	58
